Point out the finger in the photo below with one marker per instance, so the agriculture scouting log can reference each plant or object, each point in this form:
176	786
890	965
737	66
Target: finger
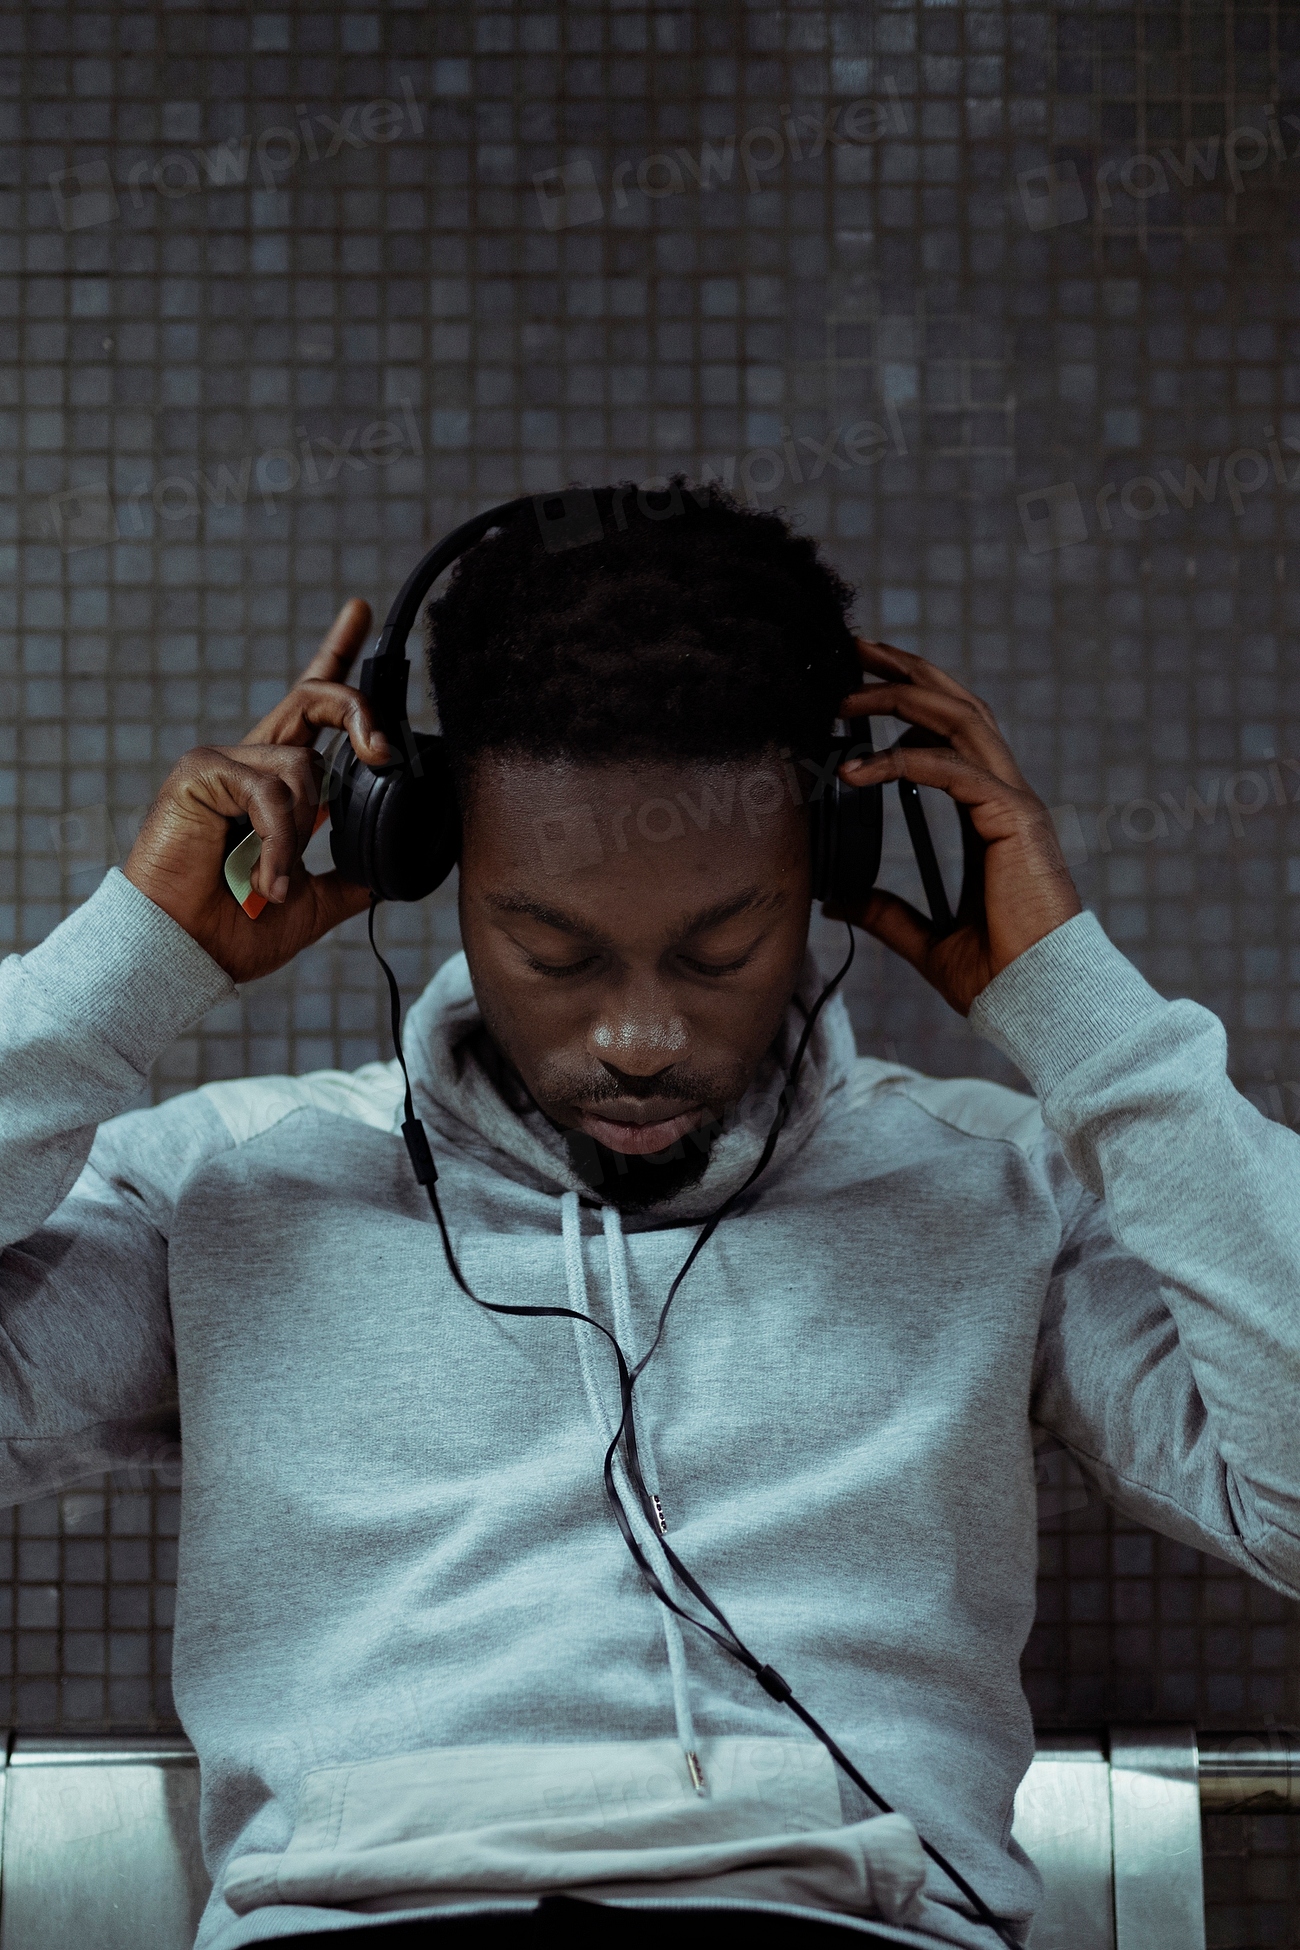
313	703
342	640
957	719
219	782
994	808
936	765
301	769
891	920
905	667
271	809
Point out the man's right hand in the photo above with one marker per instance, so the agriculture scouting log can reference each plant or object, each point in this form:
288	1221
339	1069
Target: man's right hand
274	777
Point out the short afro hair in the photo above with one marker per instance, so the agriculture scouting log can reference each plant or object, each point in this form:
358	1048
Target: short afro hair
690	629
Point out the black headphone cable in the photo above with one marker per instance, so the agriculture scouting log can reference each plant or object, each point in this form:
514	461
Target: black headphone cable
778	1688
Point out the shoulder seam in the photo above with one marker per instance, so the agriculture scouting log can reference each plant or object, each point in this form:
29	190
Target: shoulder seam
249	1107
1008	1128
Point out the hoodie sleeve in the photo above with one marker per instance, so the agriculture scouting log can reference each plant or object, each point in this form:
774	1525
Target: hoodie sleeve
1169	1357
85	1334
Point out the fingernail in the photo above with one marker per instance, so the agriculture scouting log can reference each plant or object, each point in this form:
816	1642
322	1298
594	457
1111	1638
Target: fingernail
280	887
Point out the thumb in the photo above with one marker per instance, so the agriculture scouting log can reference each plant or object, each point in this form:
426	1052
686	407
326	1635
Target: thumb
336	900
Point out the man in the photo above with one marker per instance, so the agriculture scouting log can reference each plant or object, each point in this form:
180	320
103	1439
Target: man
428	1684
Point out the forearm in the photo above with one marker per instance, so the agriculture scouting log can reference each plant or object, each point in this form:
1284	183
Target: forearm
82	1017
1198	1187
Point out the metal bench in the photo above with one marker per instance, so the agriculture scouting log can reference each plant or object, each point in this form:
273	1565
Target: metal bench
1114	1826
99	1843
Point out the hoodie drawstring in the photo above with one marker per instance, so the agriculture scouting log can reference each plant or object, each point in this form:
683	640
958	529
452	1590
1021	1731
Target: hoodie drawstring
576	1278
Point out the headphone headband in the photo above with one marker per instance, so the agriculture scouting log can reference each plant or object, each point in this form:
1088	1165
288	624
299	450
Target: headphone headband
384	673
406	605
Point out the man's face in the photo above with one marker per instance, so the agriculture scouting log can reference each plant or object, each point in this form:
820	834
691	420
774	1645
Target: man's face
634	933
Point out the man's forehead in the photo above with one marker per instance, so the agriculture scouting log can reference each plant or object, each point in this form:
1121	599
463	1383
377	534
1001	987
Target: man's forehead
496	777
699	832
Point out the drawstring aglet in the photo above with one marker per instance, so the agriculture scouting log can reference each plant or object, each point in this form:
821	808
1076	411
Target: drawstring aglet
697	1774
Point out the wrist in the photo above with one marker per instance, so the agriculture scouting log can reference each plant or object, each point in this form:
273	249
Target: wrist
123	966
1034	920
1062	1001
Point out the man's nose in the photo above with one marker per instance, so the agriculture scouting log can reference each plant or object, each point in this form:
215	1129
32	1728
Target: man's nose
639	1043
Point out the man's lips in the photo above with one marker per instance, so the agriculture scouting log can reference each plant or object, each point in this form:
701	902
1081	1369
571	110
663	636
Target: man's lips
636	1138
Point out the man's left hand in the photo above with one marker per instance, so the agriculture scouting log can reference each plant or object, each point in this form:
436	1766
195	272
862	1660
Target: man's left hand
1026	888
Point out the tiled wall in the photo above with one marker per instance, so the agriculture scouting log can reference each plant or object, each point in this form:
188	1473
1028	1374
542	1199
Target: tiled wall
1049	248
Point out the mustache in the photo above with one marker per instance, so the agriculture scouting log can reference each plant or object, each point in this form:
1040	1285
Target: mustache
672	1087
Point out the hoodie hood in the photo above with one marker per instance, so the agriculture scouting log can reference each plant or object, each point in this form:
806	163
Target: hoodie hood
469	1098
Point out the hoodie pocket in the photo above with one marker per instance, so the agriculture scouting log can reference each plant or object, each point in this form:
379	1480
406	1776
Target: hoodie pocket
600	1818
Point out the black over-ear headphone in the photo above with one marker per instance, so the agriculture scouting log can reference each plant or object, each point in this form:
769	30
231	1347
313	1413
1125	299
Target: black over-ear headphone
397	830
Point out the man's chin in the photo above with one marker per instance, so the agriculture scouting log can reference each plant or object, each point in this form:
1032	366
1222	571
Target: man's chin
635	1181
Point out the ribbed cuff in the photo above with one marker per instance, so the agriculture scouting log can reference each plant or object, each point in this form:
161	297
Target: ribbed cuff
1064	1000
125	969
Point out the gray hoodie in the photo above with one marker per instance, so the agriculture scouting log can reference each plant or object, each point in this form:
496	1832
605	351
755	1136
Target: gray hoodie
419	1666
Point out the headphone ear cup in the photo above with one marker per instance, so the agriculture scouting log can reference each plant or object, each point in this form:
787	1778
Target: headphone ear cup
396	832
847	830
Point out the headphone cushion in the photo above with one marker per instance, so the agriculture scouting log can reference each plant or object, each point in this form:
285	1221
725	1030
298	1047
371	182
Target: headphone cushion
847	832
396	832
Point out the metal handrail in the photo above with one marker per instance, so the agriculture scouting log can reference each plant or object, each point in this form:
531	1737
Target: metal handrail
1236	1771
1249	1772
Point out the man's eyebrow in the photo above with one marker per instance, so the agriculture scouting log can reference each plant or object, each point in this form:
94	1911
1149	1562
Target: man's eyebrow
749	899
550	917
